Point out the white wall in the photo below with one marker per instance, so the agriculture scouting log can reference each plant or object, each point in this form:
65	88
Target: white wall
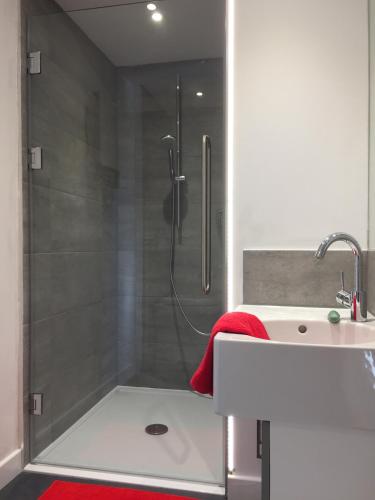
10	246
300	124
372	127
299	88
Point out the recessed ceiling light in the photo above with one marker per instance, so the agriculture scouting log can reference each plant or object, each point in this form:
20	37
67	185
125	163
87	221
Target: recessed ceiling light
199	94
157	17
151	6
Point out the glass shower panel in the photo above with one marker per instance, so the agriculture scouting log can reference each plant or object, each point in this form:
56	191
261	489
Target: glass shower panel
111	352
72	117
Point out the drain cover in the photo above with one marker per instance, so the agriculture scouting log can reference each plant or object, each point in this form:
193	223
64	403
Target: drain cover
156	429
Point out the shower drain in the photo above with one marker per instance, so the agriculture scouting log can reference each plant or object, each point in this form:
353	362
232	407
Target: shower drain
156	429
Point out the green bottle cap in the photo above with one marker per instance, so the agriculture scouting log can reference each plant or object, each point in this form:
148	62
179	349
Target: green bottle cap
334	317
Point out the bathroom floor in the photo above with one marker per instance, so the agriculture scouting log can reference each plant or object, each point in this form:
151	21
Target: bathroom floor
112	436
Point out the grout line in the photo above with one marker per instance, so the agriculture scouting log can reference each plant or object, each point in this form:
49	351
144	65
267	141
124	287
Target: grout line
76	195
72	309
78	252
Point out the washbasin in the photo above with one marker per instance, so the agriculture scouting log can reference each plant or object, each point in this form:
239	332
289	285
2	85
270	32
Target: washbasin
320	332
311	371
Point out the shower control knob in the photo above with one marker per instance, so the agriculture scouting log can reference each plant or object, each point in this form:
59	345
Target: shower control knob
180	178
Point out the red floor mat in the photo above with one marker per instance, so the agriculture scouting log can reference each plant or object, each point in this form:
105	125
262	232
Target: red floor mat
63	490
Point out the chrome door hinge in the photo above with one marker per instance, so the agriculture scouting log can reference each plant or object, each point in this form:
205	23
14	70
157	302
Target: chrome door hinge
34	63
36	404
35	158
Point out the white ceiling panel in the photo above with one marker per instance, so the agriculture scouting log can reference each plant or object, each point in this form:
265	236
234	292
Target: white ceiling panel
190	29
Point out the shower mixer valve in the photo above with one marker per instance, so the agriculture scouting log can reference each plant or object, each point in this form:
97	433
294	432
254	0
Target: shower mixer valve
179	178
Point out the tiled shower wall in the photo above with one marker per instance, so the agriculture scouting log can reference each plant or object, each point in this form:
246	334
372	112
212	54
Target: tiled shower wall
165	348
73	225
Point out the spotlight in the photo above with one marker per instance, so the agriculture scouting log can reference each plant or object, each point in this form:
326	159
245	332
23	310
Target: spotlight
157	17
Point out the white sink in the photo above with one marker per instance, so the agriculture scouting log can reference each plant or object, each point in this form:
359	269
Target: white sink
325	375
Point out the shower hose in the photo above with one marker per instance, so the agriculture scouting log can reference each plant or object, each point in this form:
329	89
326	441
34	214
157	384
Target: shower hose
171	266
171	276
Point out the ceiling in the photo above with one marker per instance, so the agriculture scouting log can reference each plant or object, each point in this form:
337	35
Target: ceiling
190	29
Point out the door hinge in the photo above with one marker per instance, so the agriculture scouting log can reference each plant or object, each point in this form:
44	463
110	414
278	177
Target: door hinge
34	63
36	404
35	158
259	439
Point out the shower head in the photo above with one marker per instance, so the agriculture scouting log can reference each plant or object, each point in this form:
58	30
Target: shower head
168	138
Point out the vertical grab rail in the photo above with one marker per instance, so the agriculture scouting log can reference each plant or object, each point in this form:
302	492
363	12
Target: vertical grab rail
206	214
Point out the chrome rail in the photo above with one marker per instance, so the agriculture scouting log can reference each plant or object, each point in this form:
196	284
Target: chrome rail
206	214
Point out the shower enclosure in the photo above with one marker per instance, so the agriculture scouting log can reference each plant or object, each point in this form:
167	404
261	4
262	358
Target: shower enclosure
115	222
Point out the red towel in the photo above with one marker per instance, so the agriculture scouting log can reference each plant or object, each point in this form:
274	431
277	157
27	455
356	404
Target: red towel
233	322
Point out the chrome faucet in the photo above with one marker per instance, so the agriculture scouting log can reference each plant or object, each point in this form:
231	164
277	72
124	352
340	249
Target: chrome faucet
356	299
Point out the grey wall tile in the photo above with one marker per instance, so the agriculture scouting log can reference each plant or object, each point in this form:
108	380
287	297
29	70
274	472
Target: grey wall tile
65	222
26	390
170	375
109	271
128	365
69	163
206	120
37	7
109	220
127	225
128	317
73	364
295	278
156	281
129	336
26	214
127	272
184	354
62	281
26	289
89	65
163	323
72	107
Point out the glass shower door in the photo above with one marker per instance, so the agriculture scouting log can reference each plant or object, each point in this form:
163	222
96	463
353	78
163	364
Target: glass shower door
111	351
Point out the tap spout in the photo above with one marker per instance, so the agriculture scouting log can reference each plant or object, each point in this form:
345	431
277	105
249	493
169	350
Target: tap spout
359	306
331	238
